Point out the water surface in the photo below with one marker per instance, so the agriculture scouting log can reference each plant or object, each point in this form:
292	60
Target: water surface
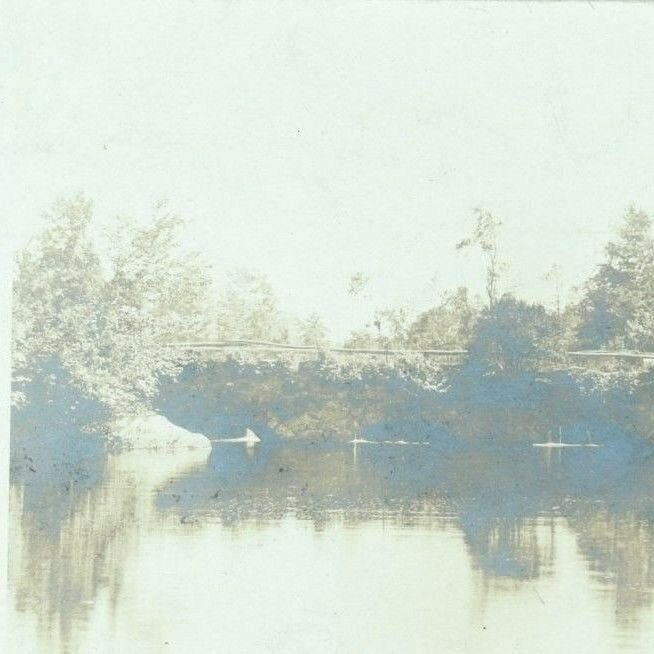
323	547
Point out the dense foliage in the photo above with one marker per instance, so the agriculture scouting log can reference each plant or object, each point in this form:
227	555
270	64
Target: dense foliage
102	332
617	310
513	336
98	322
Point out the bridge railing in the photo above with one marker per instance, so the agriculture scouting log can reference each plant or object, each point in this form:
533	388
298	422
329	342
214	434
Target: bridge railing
591	358
269	345
606	354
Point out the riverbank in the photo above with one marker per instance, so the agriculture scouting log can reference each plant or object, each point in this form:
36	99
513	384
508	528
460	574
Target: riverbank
153	432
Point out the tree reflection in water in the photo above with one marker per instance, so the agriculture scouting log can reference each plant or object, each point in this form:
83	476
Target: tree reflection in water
80	514
68	548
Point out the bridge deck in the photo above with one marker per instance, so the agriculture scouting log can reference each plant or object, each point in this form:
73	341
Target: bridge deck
598	356
270	346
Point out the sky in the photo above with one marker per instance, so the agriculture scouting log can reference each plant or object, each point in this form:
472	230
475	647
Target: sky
312	140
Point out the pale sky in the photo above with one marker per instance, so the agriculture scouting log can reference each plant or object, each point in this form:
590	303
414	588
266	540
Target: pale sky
310	140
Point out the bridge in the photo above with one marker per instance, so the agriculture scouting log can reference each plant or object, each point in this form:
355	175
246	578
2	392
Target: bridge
612	360
595	359
270	350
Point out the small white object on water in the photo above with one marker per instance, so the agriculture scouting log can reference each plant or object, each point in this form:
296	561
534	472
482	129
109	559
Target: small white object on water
560	443
356	441
557	445
249	438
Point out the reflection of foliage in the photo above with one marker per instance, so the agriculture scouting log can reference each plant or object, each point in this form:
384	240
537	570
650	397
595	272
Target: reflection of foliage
509	510
107	331
512	510
77	533
618	546
508	547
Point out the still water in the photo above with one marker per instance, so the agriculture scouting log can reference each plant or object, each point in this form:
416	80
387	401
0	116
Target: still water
318	547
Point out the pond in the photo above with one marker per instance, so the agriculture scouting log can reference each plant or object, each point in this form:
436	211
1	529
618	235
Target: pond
324	546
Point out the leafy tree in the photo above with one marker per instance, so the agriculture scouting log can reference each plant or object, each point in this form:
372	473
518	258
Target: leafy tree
362	339
448	325
391	327
313	331
390	331
617	310
569	324
157	294
105	335
513	337
248	309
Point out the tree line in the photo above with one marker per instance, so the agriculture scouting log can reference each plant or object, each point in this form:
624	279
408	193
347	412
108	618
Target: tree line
615	310
97	320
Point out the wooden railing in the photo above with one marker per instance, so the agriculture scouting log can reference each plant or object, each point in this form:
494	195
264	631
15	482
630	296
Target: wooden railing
269	345
606	354
596	356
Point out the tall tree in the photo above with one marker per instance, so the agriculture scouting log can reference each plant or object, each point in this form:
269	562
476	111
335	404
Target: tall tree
484	236
157	294
617	309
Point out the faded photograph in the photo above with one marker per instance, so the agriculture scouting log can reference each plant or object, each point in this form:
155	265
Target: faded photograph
332	327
